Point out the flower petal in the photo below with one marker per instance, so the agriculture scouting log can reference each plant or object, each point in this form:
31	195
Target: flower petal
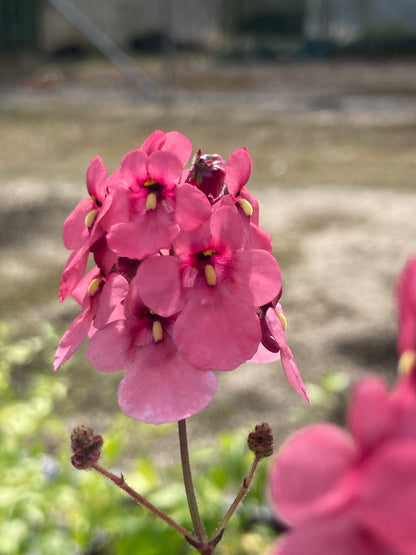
387	501
337	535
160	386
96	179
159	283
73	337
370	413
308	469
238	171
214	331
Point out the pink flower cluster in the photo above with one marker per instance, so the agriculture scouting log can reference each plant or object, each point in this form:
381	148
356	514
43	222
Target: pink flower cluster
184	281
354	492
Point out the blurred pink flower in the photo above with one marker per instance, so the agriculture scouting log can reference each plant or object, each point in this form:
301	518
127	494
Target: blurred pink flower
406	300
352	492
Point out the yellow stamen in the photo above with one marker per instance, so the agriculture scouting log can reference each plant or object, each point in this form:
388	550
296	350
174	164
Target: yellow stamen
282	319
157	331
94	286
149	182
407	361
208	252
90	218
210	275
151	201
245	206
93	198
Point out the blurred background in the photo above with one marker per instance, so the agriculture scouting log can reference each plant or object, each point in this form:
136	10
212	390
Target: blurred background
323	95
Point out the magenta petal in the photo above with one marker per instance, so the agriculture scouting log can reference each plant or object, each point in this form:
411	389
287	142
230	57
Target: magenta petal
192	207
109	347
263	355
292	372
238	171
370	417
134	162
159	284
257	276
307	470
73	272
143	236
75	232
153	142
227	228
336	535
387	501
216	332
164	167
179	145
96	179
73	338
289	365
112	294
406	301
161	386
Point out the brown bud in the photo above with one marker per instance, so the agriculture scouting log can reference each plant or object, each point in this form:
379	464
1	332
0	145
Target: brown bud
86	447
260	440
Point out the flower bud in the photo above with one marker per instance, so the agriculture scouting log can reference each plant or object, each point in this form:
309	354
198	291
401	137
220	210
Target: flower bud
86	447
260	441
208	174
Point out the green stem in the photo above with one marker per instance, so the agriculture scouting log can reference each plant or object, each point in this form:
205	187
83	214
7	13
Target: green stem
121	483
189	487
243	490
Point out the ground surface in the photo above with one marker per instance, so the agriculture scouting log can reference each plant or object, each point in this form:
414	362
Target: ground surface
334	156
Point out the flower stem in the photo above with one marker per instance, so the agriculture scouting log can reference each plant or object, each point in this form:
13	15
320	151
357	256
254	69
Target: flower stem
189	487
121	483
243	490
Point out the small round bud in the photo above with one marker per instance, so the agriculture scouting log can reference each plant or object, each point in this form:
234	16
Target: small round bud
86	447
260	440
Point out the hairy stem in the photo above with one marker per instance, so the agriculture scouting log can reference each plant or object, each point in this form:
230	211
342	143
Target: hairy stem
189	487
243	490
121	483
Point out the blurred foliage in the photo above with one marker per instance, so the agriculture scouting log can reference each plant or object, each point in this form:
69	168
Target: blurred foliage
328	399
48	507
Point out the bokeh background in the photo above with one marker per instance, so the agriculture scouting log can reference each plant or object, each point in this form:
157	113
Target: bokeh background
323	95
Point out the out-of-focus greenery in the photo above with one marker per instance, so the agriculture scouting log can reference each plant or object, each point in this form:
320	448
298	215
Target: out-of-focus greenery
48	507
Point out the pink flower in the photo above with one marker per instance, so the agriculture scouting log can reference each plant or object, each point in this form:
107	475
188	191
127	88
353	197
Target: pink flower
143	207
352	492
218	286
406	300
274	346
160	385
101	300
183	281
85	226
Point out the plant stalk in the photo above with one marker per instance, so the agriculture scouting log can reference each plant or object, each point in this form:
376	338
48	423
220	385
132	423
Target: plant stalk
189	487
121	483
